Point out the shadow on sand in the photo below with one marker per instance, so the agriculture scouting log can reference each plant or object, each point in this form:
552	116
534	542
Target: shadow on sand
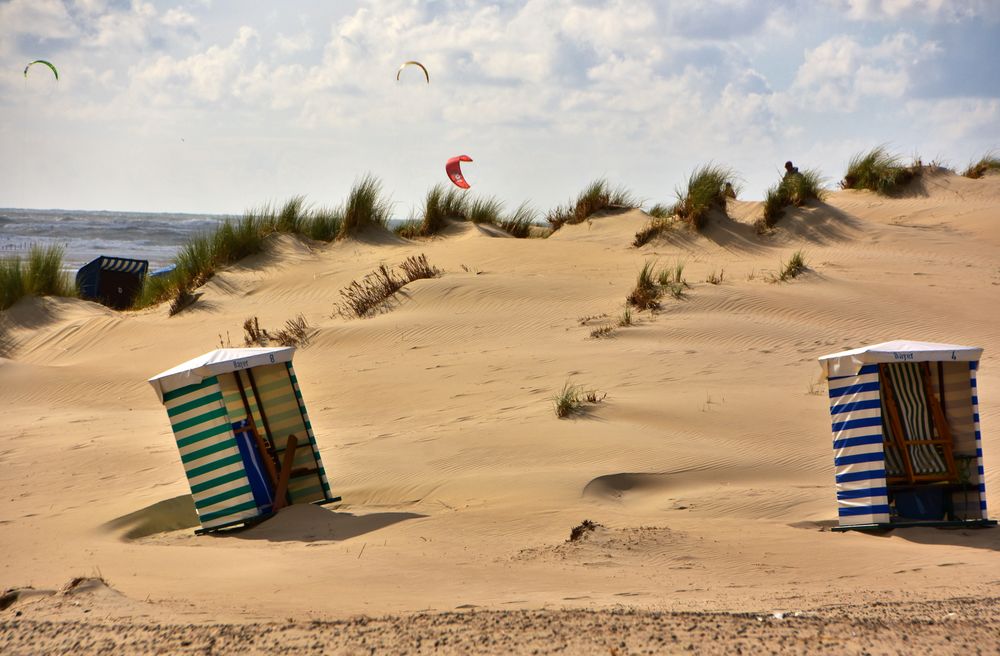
309	523
167	515
301	523
973	537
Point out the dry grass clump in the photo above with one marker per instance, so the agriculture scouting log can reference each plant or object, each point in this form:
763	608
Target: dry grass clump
572	398
653	229
793	268
988	162
597	197
41	275
363	298
716	278
581	531
706	190
672	280
294	333
416	267
794	189
625	319
646	294
879	170
650	286
607	330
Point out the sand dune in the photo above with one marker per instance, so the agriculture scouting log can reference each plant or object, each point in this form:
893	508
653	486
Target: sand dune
708	464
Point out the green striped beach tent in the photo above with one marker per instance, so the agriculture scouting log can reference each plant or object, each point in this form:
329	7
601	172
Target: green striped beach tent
243	433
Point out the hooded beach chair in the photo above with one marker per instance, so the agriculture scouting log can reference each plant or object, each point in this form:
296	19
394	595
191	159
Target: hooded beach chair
907	445
245	439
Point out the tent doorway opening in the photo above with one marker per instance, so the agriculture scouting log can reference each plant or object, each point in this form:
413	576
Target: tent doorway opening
929	442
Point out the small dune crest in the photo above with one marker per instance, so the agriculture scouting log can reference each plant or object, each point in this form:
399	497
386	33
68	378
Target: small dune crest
614	228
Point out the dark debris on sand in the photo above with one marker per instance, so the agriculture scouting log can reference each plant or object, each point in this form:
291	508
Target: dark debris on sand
956	626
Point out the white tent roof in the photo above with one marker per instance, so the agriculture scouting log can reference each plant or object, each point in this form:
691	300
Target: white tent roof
848	363
216	362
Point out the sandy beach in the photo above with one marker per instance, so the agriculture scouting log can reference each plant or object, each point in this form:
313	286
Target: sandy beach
708	465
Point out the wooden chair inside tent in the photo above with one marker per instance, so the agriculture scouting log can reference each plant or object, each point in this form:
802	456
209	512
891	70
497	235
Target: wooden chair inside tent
279	471
916	437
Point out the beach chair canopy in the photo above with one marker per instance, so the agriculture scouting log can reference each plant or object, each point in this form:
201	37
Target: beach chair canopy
217	362
849	363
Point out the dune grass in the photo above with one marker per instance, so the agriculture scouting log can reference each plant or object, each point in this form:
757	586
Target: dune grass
237	238
796	189
597	197
706	190
988	162
41	275
880	171
660	211
324	224
444	204
365	207
11	281
518	224
440	206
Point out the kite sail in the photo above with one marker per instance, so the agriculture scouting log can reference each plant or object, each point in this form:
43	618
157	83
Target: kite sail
454	170
41	61
413	63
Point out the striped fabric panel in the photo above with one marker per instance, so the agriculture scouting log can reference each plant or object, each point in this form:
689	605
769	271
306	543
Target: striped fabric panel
285	417
915	416
980	470
894	465
124	265
855	416
957	400
327	494
211	459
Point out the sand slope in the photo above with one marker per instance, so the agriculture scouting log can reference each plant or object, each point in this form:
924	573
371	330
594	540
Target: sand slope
708	464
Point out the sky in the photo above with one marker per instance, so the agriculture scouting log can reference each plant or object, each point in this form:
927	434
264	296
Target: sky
216	106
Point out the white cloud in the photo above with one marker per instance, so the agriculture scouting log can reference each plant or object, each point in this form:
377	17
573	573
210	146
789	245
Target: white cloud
176	18
958	118
207	76
949	11
290	44
840	72
44	19
125	29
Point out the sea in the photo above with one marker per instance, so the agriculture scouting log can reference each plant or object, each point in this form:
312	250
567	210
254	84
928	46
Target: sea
85	235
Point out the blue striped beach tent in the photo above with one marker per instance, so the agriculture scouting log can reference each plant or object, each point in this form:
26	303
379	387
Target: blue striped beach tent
243	433
906	438
111	281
